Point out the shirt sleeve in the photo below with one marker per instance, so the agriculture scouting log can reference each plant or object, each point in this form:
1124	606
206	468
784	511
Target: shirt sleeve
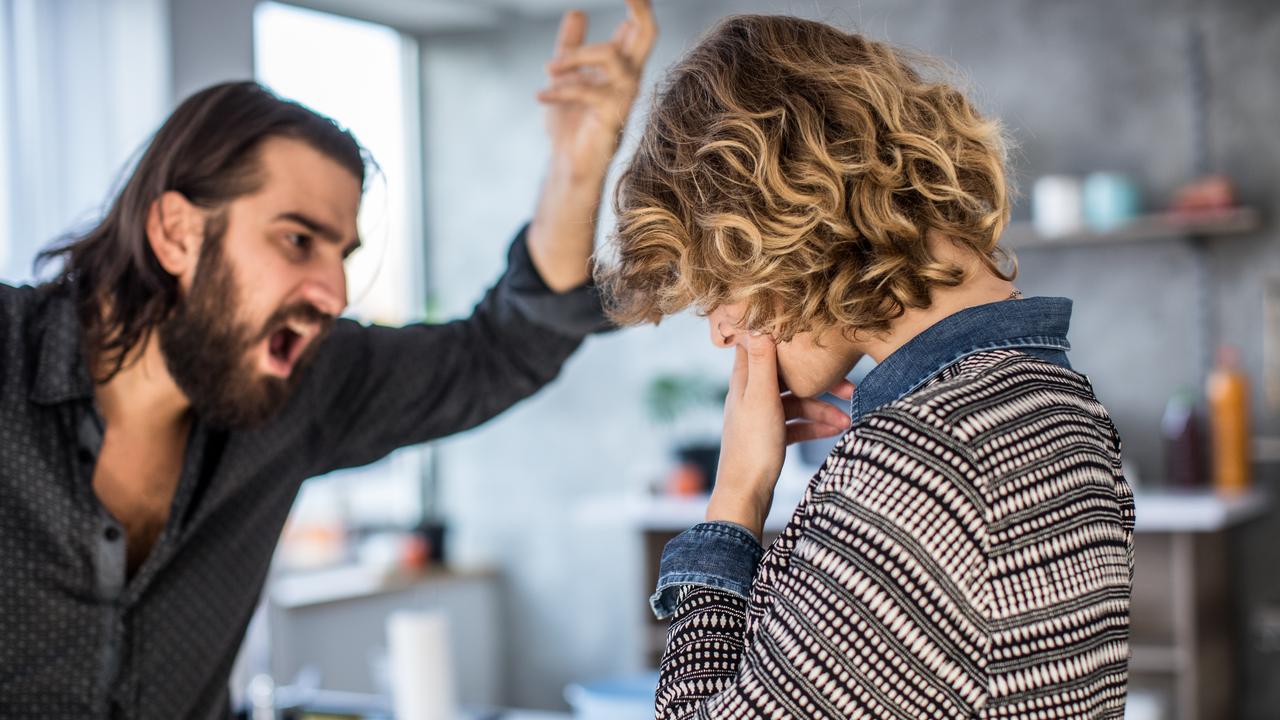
386	387
861	618
720	555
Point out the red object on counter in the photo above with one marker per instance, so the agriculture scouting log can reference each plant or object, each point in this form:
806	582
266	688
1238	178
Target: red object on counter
1207	194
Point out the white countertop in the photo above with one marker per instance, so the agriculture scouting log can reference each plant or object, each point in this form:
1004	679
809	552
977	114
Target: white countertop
347	582
1196	511
1157	511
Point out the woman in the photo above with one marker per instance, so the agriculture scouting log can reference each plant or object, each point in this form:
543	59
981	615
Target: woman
966	549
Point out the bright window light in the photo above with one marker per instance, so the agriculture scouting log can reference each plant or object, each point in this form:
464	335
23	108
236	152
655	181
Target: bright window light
361	75
354	72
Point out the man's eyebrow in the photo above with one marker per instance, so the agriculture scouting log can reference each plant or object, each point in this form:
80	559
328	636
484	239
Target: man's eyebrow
324	230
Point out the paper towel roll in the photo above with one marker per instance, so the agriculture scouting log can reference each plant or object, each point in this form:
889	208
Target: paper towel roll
420	668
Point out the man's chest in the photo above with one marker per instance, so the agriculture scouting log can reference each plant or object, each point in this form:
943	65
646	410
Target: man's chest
135	479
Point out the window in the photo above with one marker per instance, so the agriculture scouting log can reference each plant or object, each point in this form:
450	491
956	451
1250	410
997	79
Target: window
5	215
364	76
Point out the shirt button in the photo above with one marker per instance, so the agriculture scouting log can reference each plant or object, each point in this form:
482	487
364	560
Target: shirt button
112	534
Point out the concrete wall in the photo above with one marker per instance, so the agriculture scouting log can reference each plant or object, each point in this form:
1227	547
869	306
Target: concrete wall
1082	86
212	43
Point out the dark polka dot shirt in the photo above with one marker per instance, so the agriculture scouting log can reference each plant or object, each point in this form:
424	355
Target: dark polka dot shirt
78	638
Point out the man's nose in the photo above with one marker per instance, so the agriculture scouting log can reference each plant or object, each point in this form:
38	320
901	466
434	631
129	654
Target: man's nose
327	291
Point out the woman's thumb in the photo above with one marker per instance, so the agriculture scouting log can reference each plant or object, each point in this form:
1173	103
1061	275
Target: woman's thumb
762	366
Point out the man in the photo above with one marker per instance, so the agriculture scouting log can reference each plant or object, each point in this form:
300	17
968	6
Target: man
165	396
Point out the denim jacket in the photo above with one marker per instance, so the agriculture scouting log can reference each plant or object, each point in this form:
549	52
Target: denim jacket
724	555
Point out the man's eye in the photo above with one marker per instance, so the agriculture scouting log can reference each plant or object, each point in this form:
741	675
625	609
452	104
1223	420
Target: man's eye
298	240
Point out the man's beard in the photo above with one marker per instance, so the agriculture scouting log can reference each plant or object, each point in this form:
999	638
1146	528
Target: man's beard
209	351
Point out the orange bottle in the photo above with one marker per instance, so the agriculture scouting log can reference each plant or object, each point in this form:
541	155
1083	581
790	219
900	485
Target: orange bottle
1227	394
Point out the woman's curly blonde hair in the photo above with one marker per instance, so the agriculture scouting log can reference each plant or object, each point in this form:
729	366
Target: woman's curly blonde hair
798	168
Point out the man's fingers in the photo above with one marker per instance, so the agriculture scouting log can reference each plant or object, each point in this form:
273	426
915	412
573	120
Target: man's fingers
602	56
573	30
580	94
798	431
640	38
816	411
622	34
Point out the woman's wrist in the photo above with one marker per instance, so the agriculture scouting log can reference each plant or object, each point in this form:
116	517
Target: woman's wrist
747	511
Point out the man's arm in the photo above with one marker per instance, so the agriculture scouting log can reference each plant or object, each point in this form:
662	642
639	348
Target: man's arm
393	387
590	96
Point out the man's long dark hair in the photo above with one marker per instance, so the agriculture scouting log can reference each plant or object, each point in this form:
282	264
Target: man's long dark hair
206	150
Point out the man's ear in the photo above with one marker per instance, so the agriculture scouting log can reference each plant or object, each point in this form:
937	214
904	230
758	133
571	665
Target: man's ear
175	230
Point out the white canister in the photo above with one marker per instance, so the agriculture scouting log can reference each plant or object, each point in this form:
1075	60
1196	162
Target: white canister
1057	205
419	666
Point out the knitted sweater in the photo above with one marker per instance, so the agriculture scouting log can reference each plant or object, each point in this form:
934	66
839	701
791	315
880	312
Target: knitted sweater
966	551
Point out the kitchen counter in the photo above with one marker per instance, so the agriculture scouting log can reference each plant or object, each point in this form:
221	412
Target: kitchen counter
1157	511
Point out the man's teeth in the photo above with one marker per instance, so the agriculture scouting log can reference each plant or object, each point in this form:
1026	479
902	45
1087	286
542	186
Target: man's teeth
302	330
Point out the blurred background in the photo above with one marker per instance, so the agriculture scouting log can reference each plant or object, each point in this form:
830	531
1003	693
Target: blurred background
1148	160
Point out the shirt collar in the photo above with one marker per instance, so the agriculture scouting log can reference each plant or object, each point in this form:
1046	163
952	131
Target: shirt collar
1039	324
61	372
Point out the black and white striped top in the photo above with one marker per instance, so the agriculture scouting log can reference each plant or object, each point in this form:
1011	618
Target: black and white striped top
966	551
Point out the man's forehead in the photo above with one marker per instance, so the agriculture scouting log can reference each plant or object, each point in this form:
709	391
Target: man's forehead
299	179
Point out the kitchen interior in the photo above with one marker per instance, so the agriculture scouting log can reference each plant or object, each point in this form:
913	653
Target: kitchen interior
514	583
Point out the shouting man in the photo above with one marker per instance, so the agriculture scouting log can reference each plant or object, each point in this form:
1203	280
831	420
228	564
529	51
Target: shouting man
162	399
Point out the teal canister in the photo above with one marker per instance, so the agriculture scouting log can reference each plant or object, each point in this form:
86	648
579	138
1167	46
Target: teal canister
1110	200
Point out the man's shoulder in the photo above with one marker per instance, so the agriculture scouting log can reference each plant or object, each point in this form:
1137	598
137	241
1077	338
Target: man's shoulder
18	305
17	302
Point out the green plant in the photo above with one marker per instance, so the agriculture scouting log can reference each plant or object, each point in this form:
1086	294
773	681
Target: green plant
672	395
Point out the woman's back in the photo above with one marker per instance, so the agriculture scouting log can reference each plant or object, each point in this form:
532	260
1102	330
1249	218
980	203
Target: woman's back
965	551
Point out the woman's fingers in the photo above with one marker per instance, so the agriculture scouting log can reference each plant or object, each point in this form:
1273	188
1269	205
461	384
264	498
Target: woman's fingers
814	411
800	431
738	380
762	368
843	390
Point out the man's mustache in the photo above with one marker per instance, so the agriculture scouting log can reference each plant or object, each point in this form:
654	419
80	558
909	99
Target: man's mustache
303	311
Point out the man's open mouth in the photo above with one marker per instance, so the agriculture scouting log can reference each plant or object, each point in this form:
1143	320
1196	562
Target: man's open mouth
287	343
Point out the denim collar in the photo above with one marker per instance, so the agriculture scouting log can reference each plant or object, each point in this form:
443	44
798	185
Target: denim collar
1037	326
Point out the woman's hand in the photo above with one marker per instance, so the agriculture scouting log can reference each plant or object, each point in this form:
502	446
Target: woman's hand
759	422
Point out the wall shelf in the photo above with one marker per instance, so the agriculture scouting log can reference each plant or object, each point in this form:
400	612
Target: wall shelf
1159	226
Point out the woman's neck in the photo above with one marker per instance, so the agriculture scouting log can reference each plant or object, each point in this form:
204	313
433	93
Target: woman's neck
979	287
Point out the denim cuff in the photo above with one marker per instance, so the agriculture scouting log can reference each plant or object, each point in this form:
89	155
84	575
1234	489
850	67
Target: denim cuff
574	313
720	555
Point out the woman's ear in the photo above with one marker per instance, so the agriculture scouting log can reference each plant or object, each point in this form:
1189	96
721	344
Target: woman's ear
175	230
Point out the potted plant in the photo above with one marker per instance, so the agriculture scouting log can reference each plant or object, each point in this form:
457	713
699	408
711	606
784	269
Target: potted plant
691	406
